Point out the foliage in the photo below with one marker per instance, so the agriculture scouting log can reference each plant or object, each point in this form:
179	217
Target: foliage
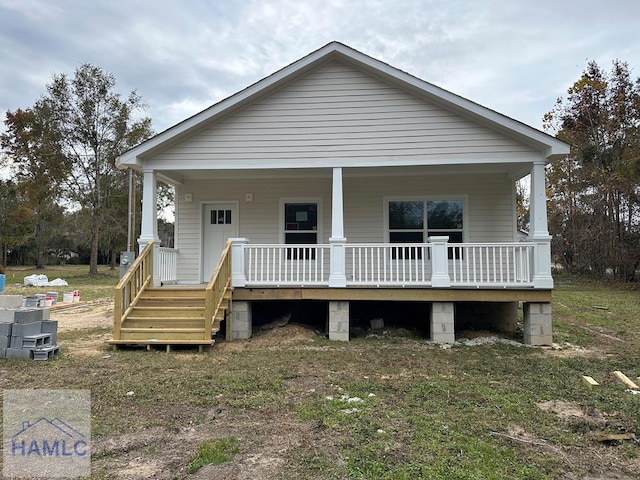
214	452
63	152
94	126
38	168
595	191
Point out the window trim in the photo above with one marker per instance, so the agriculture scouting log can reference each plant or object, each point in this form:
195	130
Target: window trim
426	198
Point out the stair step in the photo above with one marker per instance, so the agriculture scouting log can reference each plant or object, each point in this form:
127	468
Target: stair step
163	324
161	342
162	318
181	292
161	330
167	312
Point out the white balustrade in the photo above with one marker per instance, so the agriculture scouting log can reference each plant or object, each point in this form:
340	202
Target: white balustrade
497	264
277	265
168	262
400	265
388	264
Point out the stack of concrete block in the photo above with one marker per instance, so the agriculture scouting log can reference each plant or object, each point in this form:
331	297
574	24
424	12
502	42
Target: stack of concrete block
26	333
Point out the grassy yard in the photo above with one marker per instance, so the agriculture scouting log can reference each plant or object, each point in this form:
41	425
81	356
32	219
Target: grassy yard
373	408
90	287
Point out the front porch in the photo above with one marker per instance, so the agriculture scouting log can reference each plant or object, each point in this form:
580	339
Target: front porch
438	274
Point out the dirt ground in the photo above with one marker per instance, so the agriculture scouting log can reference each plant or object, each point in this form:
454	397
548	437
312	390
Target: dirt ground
268	437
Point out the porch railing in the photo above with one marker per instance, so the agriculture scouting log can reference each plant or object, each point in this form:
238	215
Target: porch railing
434	264
504	264
130	287
168	259
388	264
287	264
217	288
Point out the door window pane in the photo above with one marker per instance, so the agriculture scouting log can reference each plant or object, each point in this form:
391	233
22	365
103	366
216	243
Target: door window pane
220	217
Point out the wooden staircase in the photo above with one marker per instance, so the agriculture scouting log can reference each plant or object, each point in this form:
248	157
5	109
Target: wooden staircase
171	315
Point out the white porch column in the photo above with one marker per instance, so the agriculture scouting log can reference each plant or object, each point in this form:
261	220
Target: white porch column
149	227
338	242
439	262
238	277
539	230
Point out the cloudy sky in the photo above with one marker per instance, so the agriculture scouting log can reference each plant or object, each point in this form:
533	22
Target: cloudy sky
514	56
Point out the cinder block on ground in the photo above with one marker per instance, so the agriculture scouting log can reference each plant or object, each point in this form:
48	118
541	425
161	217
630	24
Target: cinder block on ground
42	340
5	329
51	327
3	352
22	353
16	341
28	315
7	315
10	301
5	341
45	353
26	329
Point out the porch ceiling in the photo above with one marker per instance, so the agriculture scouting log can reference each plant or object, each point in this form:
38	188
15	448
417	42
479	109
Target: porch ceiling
513	170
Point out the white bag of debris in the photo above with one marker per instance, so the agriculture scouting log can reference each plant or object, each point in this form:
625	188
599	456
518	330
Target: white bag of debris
35	280
43	281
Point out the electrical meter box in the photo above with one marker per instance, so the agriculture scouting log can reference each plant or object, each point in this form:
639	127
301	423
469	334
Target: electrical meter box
126	259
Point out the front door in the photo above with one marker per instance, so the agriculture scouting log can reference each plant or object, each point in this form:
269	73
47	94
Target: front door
220	223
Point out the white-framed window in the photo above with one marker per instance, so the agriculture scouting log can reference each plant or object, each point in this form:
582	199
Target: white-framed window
300	226
413	220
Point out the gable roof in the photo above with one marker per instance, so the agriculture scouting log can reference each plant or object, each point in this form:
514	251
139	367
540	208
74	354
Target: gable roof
550	146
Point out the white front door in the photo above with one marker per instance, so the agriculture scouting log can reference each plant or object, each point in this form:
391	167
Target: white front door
220	222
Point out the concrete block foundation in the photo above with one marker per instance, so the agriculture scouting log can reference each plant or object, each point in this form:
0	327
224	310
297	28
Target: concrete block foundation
241	320
442	322
339	321
537	324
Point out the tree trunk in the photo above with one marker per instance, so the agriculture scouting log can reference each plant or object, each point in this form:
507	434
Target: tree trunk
95	241
39	247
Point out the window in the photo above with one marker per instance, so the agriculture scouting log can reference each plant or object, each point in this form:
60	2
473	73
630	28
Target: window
406	225
412	221
220	217
301	227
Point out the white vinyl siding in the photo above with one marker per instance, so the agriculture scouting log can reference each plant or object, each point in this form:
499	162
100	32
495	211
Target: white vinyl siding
489	215
340	114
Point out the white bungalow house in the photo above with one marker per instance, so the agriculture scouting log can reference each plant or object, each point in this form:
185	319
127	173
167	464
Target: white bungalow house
340	179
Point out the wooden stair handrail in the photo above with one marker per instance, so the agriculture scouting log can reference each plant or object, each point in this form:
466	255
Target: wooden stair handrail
216	288
130	287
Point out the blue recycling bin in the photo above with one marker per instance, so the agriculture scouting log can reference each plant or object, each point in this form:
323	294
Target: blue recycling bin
2	276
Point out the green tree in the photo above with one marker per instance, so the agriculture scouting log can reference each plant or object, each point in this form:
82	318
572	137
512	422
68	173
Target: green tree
94	125
39	169
595	192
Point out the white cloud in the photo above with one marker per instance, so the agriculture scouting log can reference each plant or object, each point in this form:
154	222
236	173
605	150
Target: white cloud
515	57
